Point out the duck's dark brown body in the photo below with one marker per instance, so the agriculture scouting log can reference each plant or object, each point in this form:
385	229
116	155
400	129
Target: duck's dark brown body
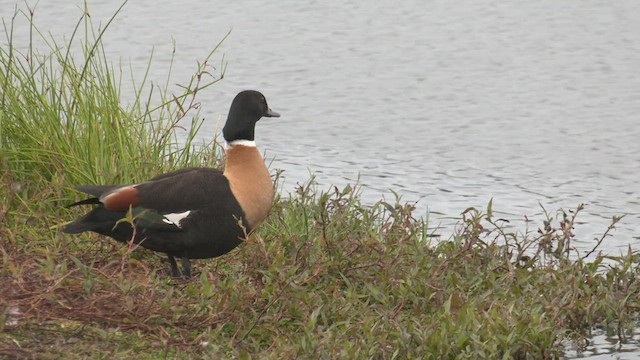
191	213
215	226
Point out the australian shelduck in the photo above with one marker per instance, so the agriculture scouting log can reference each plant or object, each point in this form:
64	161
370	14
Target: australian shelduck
192	213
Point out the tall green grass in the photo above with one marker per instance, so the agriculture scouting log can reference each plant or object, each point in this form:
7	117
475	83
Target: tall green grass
61	112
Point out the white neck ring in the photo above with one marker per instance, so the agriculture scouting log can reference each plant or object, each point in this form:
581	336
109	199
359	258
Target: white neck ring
249	143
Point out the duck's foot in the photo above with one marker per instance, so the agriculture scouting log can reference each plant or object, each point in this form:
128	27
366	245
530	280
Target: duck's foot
186	267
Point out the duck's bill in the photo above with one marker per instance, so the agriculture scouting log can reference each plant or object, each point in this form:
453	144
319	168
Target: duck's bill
271	113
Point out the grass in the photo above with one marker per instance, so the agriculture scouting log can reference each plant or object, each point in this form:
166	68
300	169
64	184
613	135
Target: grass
324	277
62	113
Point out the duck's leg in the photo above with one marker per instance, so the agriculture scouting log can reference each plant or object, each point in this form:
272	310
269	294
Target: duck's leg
186	267
175	272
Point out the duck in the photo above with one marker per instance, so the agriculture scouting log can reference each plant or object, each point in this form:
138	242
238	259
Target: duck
194	212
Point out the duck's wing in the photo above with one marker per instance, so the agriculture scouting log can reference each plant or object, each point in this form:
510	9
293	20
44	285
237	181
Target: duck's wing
181	189
187	189
164	202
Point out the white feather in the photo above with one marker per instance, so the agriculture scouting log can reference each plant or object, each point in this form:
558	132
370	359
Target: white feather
250	143
176	218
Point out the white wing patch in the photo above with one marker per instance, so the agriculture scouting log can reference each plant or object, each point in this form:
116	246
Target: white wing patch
176	218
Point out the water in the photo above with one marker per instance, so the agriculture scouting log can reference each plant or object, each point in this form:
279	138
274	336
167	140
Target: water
607	347
525	102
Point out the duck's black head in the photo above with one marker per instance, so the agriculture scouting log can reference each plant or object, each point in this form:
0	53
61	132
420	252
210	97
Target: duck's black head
247	108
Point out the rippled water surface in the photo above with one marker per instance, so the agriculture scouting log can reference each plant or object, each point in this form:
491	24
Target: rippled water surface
449	104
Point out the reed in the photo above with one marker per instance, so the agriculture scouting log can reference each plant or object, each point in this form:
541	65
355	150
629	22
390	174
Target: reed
62	112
